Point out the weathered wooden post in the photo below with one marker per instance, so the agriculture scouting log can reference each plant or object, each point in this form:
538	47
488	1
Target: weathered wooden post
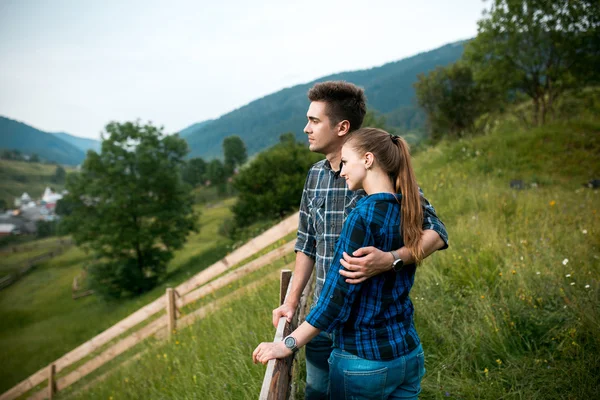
51	383
171	311
286	275
276	384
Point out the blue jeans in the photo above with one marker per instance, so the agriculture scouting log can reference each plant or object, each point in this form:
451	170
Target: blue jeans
352	377
318	351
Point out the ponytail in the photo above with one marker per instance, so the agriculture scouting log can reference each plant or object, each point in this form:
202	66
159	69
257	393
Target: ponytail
412	211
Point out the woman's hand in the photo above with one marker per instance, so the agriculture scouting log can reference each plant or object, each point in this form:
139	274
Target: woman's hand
268	351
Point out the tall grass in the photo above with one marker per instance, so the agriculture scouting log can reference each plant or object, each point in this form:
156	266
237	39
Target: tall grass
511	310
210	360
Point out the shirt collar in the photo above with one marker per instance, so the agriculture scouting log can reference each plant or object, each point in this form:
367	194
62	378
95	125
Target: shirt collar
327	166
392	198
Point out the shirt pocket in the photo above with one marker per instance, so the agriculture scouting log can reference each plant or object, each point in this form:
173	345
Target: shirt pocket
317	214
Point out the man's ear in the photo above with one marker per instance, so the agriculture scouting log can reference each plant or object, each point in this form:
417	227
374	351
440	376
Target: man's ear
343	128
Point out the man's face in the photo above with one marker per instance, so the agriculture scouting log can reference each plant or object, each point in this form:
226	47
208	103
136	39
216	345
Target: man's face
322	137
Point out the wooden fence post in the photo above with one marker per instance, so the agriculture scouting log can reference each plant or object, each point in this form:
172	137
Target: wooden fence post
51	381
286	275
171	311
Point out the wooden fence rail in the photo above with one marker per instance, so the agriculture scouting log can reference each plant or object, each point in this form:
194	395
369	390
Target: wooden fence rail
16	248
9	279
188	292
277	383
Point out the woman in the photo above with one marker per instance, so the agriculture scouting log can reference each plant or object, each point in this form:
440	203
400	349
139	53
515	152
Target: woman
377	352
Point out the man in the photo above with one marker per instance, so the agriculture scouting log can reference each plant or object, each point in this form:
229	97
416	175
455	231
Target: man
336	109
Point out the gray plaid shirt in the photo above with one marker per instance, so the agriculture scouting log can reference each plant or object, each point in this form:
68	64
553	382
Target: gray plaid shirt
326	202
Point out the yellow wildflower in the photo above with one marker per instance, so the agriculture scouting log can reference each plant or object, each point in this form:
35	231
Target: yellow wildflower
552	203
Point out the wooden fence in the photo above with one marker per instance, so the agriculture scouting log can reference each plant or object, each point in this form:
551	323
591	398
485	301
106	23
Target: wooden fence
9	279
185	294
18	248
278	380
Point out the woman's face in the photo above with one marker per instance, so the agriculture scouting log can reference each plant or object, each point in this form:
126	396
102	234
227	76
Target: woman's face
354	168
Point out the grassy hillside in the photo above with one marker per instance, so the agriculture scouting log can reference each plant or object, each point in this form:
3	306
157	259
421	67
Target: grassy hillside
509	311
40	321
17	177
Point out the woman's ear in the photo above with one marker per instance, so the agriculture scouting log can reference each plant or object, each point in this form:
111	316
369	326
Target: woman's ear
369	160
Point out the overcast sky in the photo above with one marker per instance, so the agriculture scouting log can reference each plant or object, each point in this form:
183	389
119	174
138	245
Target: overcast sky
73	66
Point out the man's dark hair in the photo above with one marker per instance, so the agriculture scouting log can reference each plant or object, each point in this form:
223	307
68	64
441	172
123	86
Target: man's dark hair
345	101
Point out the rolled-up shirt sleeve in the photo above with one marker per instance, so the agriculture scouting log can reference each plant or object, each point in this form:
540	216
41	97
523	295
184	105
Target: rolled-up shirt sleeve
306	242
432	222
337	296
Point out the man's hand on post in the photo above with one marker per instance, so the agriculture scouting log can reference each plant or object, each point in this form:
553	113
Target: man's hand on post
285	310
365	263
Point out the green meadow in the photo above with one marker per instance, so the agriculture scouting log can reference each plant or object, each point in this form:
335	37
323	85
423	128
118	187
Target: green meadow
41	322
17	177
510	310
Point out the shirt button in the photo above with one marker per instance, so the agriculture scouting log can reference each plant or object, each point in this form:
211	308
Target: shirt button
331	297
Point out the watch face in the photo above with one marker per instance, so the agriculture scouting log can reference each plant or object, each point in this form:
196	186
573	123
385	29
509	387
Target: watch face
290	342
398	264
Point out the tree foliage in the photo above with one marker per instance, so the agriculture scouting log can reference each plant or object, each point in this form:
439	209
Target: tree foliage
130	207
215	172
537	47
451	99
373	120
60	175
271	185
194	171
234	151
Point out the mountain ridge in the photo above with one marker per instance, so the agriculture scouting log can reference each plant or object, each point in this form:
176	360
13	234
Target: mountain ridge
389	90
16	135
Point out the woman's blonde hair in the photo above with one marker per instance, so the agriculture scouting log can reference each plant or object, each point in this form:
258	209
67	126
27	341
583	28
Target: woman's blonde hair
392	154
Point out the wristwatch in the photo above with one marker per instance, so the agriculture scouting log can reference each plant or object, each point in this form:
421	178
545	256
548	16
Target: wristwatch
290	343
398	263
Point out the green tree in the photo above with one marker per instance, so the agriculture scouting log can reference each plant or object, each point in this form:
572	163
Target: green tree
451	99
34	158
59	175
538	47
234	151
215	172
130	207
271	185
194	171
373	120
45	228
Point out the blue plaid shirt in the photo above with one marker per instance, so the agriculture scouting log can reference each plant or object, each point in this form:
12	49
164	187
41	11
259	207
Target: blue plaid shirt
373	319
326	203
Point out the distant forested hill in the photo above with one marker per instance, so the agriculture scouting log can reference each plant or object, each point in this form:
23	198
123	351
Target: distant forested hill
193	128
15	135
389	92
83	144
